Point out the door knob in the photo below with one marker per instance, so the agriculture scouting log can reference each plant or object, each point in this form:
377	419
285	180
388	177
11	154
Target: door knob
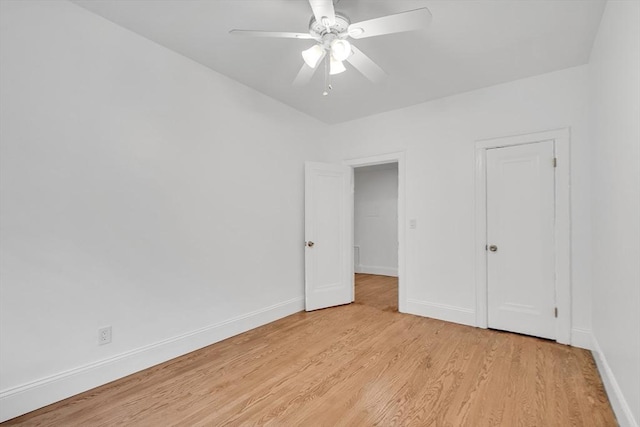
310	243
493	248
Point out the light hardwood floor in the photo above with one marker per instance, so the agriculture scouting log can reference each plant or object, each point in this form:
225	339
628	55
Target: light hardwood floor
357	365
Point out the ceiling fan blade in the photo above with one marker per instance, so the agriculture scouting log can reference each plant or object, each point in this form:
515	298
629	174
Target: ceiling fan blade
405	21
276	34
366	66
323	8
304	75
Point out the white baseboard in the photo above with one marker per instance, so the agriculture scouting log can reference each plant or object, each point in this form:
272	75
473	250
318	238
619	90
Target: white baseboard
372	269
581	338
446	312
28	397
618	402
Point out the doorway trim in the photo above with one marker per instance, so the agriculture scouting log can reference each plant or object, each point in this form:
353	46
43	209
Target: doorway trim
562	240
397	157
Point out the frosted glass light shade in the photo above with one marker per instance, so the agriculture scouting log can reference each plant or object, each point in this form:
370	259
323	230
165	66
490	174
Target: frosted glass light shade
335	66
340	49
313	55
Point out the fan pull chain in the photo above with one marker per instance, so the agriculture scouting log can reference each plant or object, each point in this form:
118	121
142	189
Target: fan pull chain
327	77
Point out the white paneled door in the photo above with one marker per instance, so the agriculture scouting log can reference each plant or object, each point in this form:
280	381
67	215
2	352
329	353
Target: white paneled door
328	235
520	236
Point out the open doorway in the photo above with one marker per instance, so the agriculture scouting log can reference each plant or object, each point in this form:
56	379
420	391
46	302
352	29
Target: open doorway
375	219
329	231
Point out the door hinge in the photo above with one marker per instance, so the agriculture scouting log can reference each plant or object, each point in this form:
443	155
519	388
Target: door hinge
555	311
555	162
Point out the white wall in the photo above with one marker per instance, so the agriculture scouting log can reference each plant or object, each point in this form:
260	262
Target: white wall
376	219
138	190
438	138
137	186
614	80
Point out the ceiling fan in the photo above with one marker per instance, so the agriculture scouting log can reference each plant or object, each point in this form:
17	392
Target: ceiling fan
331	30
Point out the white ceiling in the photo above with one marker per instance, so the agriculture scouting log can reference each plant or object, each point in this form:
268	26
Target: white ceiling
470	44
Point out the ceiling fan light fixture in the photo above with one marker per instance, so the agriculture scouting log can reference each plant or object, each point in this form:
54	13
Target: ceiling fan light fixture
336	67
340	49
313	55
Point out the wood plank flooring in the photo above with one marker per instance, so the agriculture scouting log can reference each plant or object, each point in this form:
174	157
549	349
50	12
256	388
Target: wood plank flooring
357	365
379	292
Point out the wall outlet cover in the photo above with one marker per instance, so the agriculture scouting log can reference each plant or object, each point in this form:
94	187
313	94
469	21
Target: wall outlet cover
104	335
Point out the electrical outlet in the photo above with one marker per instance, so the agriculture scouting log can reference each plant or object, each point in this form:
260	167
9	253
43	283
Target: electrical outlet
104	335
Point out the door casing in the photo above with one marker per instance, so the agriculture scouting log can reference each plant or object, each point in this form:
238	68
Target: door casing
397	157
562	240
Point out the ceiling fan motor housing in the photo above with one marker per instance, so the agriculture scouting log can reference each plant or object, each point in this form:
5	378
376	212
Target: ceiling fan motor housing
338	30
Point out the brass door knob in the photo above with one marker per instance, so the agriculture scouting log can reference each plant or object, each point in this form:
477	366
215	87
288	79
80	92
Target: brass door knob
493	248
310	243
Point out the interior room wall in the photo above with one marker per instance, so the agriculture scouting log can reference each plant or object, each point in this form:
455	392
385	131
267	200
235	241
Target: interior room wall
438	139
139	190
376	219
614	82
